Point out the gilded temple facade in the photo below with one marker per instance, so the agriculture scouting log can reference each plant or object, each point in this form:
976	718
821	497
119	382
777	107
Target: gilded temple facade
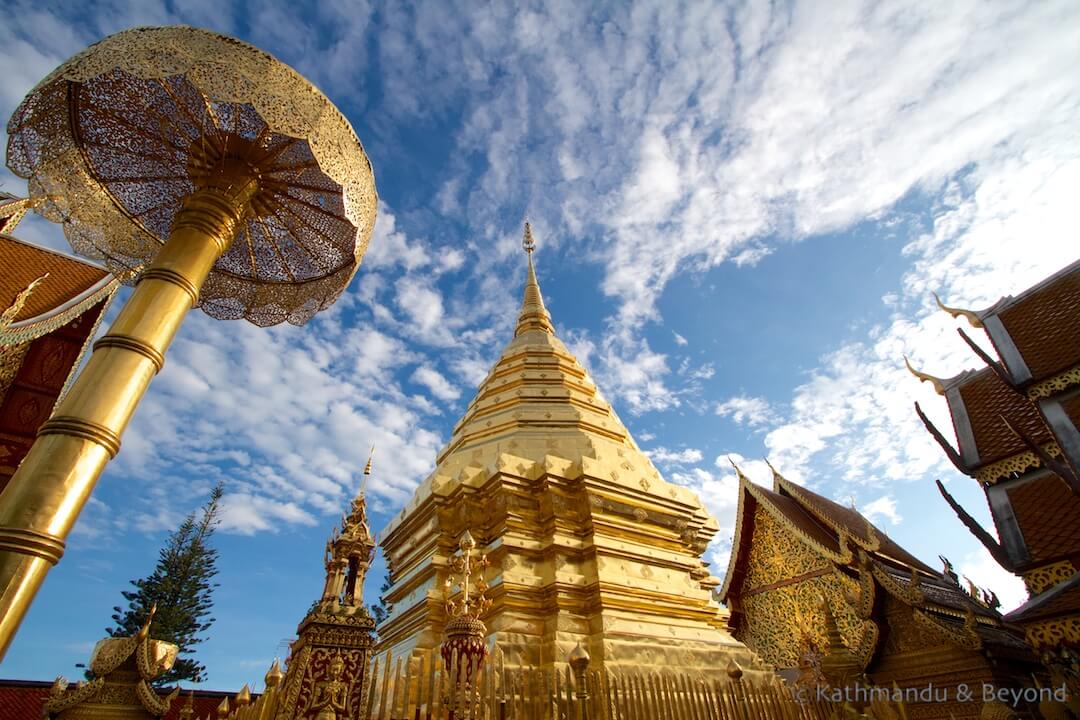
828	599
586	541
1016	423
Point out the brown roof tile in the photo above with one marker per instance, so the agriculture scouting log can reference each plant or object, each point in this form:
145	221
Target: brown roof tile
1048	513
853	522
23	700
1045	325
986	399
22	263
800	518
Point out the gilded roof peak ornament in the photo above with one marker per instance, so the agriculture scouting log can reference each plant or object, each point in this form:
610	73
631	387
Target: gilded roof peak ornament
144	631
938	385
973	318
9	315
738	471
367	470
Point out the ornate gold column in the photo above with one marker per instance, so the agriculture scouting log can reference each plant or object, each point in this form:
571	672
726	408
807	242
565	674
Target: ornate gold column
41	503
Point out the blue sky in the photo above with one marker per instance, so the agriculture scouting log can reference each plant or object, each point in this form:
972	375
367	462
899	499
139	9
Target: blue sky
741	213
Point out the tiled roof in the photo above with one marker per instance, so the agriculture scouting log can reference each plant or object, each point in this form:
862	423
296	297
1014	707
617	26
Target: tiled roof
1046	510
800	518
986	400
22	263
1044	324
853	522
1062	599
24	699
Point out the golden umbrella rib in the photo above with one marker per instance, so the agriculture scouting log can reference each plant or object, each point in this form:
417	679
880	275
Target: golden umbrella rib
277	251
296	238
251	250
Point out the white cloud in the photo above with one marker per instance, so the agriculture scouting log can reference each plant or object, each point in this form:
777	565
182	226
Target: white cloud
883	508
679	339
248	514
436	383
744	410
663	456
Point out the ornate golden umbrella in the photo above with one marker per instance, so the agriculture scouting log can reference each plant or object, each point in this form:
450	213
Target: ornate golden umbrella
205	172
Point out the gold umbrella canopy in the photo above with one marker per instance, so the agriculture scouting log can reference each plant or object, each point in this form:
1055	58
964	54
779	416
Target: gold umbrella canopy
114	140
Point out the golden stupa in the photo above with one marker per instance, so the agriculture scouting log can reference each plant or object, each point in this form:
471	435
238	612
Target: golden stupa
586	541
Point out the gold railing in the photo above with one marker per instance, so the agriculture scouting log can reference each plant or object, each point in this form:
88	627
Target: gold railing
421	689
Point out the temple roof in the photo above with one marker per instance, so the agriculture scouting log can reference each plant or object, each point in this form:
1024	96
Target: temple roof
1043	323
837	532
70	280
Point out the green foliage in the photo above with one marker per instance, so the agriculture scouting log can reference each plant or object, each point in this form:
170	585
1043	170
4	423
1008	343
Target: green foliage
181	587
381	610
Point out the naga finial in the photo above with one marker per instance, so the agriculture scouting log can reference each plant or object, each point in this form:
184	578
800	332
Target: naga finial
527	241
973	319
17	304
738	470
144	631
938	385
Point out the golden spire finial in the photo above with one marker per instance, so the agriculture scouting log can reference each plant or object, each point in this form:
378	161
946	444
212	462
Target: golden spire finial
534	316
244	696
938	385
527	241
367	470
9	315
973	319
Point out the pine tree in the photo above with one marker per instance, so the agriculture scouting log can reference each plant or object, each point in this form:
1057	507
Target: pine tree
181	587
381	610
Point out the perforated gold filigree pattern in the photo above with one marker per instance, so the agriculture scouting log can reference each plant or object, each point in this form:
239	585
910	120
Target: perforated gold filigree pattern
1054	633
117	137
1019	463
1054	385
1048	576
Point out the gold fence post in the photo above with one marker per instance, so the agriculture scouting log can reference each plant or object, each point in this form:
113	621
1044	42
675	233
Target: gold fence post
579	663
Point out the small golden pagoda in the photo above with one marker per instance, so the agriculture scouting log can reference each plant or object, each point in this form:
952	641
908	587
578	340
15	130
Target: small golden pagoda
587	543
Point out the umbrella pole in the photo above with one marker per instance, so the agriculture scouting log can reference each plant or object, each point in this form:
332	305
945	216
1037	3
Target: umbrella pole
44	497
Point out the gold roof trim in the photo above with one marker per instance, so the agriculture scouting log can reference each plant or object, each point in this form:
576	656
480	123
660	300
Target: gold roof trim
937	383
972	317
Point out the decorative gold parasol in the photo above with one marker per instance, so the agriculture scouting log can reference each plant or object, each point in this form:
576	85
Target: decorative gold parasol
203	171
117	137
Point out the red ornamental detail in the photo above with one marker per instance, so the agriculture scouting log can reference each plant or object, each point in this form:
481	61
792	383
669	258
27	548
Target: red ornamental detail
464	650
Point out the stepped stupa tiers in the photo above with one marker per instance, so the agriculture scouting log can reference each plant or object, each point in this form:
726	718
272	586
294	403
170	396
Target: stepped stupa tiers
586	541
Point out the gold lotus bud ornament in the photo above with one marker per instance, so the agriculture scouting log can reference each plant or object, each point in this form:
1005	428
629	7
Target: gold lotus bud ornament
208	174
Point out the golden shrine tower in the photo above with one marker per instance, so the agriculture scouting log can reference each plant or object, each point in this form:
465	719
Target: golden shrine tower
586	541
